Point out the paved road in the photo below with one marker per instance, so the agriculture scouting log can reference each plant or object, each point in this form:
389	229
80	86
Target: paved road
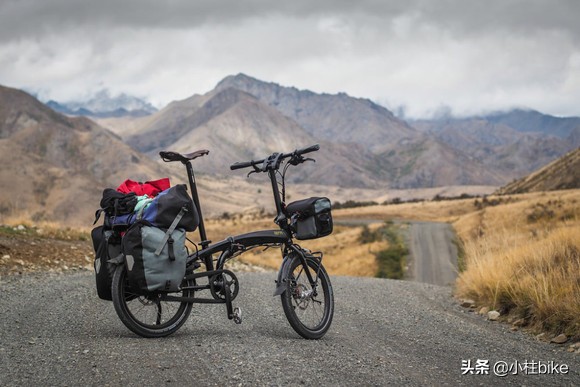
54	331
433	255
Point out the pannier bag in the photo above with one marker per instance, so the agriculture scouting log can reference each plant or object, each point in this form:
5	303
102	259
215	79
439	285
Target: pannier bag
155	258
311	218
107	245
167	205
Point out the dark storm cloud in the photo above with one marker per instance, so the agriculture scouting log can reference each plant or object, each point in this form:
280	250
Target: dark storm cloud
28	17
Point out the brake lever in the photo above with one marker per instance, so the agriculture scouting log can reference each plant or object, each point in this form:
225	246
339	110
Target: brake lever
296	159
256	170
309	159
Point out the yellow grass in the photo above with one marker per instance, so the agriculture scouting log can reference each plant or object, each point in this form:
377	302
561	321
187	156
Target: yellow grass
524	257
521	252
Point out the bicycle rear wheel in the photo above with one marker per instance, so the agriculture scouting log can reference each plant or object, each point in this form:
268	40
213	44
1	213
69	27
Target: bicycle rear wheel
308	310
147	316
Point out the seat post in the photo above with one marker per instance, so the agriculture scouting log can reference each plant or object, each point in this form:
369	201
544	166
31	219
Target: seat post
195	197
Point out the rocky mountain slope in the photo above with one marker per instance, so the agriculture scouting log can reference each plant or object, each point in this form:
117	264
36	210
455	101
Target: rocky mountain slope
364	144
512	144
55	167
563	173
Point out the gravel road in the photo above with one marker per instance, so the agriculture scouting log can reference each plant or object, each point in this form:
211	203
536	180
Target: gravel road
54	331
433	254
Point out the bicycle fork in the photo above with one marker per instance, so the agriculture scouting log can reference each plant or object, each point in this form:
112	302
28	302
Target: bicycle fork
302	255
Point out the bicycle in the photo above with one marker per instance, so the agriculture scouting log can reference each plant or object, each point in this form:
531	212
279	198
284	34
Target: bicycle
302	282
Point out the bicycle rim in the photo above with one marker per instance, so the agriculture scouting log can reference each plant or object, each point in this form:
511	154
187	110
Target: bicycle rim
308	310
148	316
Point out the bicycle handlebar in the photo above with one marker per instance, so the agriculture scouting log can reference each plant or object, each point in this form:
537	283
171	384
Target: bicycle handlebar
252	163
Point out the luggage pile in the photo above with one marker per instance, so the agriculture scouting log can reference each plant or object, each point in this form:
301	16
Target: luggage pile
144	227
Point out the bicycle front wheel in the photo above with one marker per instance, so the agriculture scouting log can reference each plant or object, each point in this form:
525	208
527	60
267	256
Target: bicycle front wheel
309	309
147	316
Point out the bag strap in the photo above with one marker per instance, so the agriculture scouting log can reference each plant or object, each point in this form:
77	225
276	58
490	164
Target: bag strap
168	233
98	215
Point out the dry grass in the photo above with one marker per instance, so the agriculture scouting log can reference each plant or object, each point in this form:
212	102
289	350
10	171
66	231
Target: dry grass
523	257
522	252
45	229
443	211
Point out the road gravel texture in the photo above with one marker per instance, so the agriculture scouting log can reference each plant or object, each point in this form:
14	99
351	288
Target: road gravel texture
54	331
434	256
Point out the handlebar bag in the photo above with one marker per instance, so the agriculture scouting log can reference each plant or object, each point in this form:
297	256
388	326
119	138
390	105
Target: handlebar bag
155	258
311	218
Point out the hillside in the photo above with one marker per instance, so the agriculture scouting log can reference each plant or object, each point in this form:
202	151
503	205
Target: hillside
54	167
563	173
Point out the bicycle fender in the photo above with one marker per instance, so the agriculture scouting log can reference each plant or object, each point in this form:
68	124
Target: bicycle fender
282	275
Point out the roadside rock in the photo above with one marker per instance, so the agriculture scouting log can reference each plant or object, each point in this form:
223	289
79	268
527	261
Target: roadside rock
483	311
467	303
560	339
493	315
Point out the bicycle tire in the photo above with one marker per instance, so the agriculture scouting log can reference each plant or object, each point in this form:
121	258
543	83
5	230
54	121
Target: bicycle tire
309	316
147	316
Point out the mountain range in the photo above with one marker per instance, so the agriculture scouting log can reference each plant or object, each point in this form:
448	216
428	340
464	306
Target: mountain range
366	145
103	105
244	118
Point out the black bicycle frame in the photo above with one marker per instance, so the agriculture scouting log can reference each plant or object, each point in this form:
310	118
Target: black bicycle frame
231	245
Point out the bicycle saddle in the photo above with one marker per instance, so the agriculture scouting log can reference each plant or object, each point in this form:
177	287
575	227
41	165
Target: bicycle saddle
174	156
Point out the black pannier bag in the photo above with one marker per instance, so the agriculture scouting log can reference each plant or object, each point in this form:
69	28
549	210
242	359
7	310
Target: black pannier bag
107	245
167	205
155	257
311	218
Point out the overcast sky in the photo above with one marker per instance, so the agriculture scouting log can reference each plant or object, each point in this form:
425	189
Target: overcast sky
420	57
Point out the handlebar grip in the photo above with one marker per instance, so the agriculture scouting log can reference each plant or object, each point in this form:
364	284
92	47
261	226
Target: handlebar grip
240	165
312	148
245	164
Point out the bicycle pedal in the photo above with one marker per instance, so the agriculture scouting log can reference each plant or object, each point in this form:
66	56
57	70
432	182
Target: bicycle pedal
237	315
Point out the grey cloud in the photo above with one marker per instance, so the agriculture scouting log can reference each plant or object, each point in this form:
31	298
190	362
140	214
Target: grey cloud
23	17
423	54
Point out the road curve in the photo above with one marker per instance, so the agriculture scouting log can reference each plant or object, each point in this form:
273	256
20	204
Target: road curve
54	331
432	253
